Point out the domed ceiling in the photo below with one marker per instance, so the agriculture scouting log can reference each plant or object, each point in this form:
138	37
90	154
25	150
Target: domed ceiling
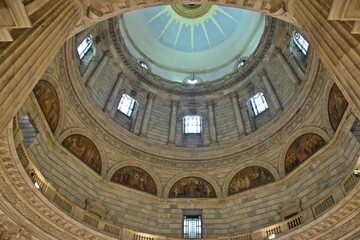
203	41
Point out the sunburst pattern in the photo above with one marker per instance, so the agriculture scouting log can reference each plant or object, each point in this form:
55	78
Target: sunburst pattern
174	22
180	40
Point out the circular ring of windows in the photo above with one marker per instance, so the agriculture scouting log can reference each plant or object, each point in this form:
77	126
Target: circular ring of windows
142	63
192	80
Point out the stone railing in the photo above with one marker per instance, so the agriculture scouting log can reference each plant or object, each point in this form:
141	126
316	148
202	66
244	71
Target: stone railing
96	222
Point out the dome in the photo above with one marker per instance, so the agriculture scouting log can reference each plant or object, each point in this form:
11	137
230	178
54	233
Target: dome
182	40
105	142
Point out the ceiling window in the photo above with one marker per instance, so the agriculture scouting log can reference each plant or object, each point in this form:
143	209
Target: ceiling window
126	105
241	64
192	124
192	226
143	65
258	103
192	80
85	46
301	43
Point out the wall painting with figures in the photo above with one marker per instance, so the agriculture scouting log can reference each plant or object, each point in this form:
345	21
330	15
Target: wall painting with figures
49	102
248	178
301	149
83	148
136	178
336	106
192	187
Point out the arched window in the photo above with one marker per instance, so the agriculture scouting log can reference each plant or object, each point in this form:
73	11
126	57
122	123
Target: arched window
192	124
192	79
301	43
241	64
143	64
127	105
258	103
85	46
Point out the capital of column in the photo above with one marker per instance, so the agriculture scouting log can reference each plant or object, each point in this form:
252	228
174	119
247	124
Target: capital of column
262	73
233	95
122	75
151	95
210	103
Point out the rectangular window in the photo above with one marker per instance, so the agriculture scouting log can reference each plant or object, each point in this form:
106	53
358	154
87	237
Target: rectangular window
301	43
258	103
84	46
192	226
126	105
192	124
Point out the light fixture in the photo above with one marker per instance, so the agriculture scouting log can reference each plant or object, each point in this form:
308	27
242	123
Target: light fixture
37	185
272	236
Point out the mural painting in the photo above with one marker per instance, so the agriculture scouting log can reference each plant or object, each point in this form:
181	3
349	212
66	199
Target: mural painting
85	150
192	187
301	149
249	177
336	106
136	178
49	102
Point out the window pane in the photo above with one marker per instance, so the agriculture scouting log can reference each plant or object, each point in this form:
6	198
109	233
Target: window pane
192	124
192	227
301	43
126	105
84	46
258	103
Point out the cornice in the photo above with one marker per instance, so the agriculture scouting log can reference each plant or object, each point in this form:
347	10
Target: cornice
139	149
26	205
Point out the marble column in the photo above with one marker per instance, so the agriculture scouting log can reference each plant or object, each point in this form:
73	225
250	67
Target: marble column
114	97
290	72
145	122
238	117
270	90
212	128
173	118
334	44
25	60
96	73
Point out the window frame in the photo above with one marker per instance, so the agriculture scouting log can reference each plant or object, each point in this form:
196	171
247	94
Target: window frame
131	106
198	228
258	103
301	43
198	124
85	49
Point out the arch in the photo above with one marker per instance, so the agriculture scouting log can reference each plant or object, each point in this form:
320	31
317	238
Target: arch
114	8
85	147
170	184
136	164
253	163
48	100
316	139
